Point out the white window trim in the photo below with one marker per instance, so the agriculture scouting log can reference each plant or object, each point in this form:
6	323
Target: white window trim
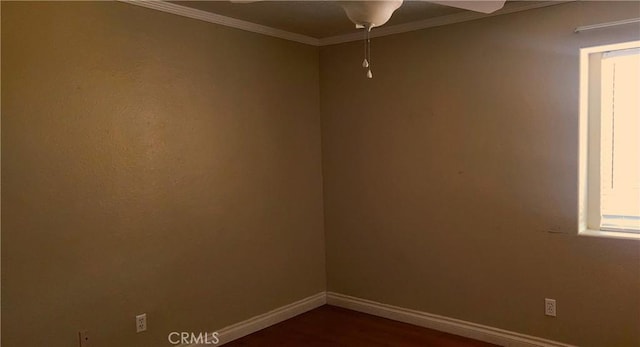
587	210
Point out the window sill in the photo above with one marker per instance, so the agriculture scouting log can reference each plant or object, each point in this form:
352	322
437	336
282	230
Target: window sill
610	234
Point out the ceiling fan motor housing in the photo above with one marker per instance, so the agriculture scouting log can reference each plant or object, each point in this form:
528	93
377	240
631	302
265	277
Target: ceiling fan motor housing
370	14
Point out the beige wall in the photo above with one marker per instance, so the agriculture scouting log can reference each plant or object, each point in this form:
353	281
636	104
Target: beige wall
152	163
444	174
158	164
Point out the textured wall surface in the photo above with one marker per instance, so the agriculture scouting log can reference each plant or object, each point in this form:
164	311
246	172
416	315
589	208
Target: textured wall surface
444	174
152	163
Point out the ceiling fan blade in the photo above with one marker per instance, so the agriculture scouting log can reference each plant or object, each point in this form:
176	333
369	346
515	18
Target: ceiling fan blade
483	6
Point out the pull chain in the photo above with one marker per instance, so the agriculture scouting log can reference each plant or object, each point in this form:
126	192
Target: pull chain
366	63
369	74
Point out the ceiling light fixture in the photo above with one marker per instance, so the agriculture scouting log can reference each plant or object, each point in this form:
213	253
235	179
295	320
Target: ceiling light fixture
368	15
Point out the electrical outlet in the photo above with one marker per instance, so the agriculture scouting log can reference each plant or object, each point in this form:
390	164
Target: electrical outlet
550	307
83	337
141	323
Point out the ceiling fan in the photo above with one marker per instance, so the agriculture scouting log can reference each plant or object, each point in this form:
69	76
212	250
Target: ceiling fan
368	14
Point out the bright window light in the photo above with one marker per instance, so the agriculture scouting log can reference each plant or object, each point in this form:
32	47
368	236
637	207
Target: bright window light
620	141
610	141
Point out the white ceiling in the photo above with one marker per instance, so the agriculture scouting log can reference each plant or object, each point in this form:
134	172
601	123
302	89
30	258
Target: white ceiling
317	19
321	23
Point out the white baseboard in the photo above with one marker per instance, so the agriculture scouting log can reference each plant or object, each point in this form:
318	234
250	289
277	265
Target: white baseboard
449	325
432	321
265	320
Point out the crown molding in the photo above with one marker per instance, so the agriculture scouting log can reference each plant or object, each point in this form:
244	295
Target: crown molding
222	20
465	16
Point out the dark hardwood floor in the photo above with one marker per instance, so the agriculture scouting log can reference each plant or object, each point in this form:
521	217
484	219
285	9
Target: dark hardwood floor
334	326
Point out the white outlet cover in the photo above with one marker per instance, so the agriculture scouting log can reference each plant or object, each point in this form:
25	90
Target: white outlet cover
550	307
83	337
141	322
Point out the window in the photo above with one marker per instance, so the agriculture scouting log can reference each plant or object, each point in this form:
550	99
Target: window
609	201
